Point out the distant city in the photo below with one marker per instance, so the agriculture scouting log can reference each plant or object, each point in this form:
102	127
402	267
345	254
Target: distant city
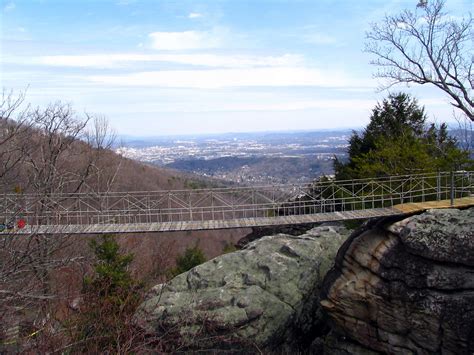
247	158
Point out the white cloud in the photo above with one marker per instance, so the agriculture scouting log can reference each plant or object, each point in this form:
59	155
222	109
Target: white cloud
402	25
125	2
319	38
281	105
124	60
10	6
187	40
194	15
221	78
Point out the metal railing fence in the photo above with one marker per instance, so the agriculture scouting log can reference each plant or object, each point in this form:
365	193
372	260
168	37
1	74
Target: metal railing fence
233	203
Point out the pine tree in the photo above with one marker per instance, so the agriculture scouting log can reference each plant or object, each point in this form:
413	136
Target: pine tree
110	298
192	257
398	141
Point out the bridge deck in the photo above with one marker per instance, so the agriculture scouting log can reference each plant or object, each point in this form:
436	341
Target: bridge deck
423	206
406	208
176	226
207	225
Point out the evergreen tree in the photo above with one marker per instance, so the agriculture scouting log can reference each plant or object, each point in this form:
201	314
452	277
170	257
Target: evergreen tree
110	298
398	141
192	257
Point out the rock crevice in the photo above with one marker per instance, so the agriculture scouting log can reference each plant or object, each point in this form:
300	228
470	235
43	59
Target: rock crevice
406	287
395	287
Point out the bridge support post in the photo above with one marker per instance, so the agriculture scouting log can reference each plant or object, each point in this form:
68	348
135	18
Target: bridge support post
452	188
422	189
190	207
438	187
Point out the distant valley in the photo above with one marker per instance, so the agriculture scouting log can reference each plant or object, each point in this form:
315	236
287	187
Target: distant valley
247	158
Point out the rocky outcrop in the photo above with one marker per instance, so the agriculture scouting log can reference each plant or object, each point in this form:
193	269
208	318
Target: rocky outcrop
266	294
259	232
397	287
405	287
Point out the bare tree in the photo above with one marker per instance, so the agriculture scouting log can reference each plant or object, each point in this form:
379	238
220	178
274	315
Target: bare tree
426	46
101	137
465	136
50	150
50	161
14	124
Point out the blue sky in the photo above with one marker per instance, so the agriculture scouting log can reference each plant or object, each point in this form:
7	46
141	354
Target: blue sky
178	67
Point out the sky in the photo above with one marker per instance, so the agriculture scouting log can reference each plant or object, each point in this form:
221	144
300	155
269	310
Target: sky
162	67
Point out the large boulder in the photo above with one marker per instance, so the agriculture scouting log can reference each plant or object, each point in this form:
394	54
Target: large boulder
259	232
266	294
405	287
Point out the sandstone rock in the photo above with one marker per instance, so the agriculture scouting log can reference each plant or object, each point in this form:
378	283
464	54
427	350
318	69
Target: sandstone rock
441	235
336	344
266	294
406	287
259	232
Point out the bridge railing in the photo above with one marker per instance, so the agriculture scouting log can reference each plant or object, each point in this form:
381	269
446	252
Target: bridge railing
233	203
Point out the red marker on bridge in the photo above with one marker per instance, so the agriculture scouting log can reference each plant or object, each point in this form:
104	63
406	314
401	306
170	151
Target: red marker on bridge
21	224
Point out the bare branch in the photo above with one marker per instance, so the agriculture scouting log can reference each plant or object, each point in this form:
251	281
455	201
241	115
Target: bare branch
426	47
45	150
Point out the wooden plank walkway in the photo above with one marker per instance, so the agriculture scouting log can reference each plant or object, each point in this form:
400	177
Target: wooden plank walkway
206	225
423	206
402	209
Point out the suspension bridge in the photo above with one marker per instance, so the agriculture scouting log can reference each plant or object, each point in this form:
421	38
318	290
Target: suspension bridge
236	207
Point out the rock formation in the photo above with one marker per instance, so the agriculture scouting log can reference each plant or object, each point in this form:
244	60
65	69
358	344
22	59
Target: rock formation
405	287
266	294
259	232
396	287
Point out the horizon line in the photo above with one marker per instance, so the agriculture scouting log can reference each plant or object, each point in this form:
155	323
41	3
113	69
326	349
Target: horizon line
238	133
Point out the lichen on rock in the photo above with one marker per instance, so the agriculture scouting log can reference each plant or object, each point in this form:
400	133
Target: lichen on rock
266	294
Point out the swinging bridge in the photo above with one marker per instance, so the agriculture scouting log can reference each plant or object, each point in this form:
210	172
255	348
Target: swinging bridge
235	207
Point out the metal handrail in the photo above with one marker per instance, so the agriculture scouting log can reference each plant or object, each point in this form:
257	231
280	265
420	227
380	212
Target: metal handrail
392	178
234	202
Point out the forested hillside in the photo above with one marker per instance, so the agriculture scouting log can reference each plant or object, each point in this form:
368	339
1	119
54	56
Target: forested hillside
56	150
50	150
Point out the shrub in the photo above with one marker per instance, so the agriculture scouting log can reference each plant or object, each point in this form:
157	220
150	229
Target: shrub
110	298
229	248
191	258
